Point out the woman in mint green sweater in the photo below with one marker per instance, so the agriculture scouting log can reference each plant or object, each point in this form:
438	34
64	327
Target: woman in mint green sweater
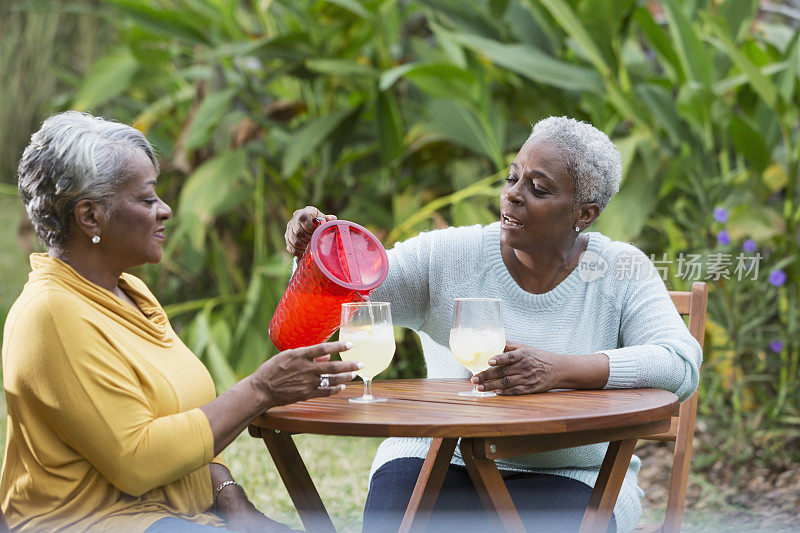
572	326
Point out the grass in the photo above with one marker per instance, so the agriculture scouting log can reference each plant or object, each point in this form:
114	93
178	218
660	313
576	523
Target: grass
339	467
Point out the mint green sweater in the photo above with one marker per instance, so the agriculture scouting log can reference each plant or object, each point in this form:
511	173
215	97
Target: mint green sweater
620	308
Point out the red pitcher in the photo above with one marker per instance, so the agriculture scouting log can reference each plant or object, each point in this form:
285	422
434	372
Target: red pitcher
343	263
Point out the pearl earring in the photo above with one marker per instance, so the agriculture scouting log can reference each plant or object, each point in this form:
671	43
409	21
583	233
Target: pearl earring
578	229
96	239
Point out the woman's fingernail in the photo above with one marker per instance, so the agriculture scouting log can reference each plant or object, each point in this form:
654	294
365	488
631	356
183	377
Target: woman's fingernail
359	365
492	362
353	375
342	387
474	380
348	345
479	387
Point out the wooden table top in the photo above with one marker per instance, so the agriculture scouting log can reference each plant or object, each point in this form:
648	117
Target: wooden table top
432	408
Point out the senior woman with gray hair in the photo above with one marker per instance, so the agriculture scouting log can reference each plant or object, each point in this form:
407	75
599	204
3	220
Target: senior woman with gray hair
113	423
569	329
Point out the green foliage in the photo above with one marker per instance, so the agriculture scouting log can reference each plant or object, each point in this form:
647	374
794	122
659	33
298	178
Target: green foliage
404	115
40	52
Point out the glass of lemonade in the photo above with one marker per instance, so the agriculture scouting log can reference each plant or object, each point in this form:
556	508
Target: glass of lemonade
368	325
477	336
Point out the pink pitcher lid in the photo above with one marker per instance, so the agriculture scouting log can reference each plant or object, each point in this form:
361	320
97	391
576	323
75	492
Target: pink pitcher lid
349	255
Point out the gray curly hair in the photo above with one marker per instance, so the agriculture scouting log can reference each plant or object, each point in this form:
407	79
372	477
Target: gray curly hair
74	156
593	162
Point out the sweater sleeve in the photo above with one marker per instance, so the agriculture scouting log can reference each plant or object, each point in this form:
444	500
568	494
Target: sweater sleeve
406	285
94	402
655	347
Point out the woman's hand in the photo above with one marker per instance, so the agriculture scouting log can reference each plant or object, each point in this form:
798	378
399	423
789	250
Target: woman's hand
289	376
522	369
233	506
300	228
241	515
294	375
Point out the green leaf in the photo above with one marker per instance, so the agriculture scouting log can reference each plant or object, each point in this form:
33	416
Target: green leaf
627	148
153	112
218	365
786	80
738	15
305	140
484	187
452	50
659	40
469	212
353	7
389	77
629	210
757	222
498	7
569	21
662	105
208	115
390	125
734	82
105	79
749	142
207	192
462	127
533	64
760	83
162	21
693	56
440	80
340	67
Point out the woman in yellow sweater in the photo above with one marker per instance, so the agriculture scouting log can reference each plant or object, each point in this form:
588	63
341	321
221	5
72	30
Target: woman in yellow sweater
113	424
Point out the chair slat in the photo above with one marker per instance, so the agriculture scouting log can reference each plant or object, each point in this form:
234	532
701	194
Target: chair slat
695	305
682	301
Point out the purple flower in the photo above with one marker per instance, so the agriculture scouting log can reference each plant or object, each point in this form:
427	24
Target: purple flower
776	346
721	215
777	278
750	246
723	238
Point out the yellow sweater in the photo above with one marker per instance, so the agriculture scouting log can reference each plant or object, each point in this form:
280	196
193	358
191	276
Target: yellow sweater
104	426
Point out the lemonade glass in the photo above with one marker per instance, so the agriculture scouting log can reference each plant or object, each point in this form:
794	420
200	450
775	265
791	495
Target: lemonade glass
368	325
477	336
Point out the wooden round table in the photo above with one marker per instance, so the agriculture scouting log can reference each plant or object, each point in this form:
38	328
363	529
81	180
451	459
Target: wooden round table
488	428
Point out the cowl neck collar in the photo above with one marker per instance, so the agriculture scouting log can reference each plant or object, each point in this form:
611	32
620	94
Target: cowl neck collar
150	323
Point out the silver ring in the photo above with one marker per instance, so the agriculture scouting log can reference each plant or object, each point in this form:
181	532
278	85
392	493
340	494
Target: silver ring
323	382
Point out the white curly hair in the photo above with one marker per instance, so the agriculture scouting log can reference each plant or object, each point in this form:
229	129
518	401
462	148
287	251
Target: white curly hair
593	162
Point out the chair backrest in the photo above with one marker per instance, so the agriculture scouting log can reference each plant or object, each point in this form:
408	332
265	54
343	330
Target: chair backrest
681	431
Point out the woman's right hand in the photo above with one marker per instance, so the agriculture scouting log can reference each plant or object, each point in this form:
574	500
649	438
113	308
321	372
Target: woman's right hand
295	375
300	228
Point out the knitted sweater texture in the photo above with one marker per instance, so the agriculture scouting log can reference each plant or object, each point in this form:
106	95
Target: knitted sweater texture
613	303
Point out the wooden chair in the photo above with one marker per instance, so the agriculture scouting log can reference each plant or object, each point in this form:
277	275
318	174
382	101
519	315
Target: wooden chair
681	430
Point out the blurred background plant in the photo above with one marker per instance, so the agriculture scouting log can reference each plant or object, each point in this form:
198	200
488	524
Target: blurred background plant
403	116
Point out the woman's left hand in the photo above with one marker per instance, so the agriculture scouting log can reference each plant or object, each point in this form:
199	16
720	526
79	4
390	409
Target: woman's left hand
521	369
241	515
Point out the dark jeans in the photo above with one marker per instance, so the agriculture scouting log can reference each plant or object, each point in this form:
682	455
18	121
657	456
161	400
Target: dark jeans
172	524
545	502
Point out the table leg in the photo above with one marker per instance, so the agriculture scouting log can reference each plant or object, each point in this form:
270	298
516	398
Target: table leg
489	483
606	489
298	482
428	485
